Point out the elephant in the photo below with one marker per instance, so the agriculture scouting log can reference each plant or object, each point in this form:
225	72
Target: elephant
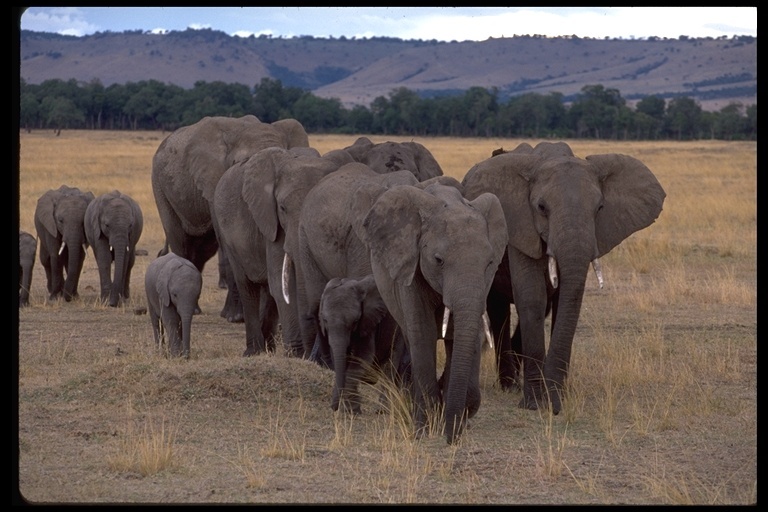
59	224
113	224
173	285
257	204
327	245
364	339
563	213
185	170
396	156
27	253
432	250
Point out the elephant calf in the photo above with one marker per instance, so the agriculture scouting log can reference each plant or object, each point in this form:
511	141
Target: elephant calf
27	252
363	337
173	286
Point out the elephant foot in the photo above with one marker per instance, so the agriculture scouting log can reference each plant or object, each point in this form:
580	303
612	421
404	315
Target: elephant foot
249	351
234	318
510	385
528	403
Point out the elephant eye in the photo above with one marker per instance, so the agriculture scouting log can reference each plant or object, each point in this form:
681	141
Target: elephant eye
541	206
600	207
439	259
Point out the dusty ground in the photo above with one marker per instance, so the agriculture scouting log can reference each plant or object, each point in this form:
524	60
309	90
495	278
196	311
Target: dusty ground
260	430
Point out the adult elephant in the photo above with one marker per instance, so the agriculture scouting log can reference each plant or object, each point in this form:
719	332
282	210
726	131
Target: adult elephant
27	253
59	224
185	170
396	156
563	213
257	204
113	224
431	250
328	247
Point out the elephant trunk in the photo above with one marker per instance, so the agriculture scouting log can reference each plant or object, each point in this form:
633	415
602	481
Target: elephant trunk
567	309
339	343
74	250
186	330
462	385
120	250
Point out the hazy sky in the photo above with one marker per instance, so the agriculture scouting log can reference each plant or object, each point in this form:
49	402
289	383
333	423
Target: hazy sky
426	23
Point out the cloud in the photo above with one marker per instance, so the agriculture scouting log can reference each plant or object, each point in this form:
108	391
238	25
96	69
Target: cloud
62	20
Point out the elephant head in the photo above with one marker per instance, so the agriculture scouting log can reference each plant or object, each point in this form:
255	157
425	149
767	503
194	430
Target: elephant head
173	285
113	224
396	156
27	253
59	223
350	312
432	249
563	213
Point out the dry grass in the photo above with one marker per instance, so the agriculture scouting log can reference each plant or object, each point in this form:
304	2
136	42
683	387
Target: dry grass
661	404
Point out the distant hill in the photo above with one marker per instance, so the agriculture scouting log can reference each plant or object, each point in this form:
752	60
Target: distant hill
714	72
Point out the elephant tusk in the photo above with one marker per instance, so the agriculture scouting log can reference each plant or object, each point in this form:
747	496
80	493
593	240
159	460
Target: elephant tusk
598	271
553	271
446	316
61	249
286	273
487	329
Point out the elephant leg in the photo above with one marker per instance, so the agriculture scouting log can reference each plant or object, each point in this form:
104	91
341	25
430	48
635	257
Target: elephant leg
233	306
269	318
172	324
506	359
251	295
154	320
532	334
104	264
131	261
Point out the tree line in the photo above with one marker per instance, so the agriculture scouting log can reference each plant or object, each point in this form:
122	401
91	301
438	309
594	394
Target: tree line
596	112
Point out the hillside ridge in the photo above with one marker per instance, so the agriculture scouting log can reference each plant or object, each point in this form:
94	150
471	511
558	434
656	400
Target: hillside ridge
714	72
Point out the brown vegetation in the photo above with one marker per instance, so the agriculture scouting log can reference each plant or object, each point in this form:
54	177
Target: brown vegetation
661	405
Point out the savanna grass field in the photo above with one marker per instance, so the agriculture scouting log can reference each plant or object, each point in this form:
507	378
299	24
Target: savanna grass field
661	404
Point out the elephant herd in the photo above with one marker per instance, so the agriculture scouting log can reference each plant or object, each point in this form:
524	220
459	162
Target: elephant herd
355	258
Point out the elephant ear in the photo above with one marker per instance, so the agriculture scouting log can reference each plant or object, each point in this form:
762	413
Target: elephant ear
393	229
138	220
44	212
259	175
330	285
359	148
293	133
632	198
425	161
365	197
508	176
374	308
488	204
91	219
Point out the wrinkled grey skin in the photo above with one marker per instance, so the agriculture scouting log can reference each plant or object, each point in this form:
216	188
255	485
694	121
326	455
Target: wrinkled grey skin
327	246
113	224
257	205
173	285
27	253
574	210
59	224
432	249
185	170
364	339
396	156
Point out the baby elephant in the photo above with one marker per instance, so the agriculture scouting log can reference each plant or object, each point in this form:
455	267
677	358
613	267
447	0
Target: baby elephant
173	286
363	337
27	251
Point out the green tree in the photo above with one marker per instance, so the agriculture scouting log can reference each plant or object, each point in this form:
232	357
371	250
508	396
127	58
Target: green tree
61	112
683	116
